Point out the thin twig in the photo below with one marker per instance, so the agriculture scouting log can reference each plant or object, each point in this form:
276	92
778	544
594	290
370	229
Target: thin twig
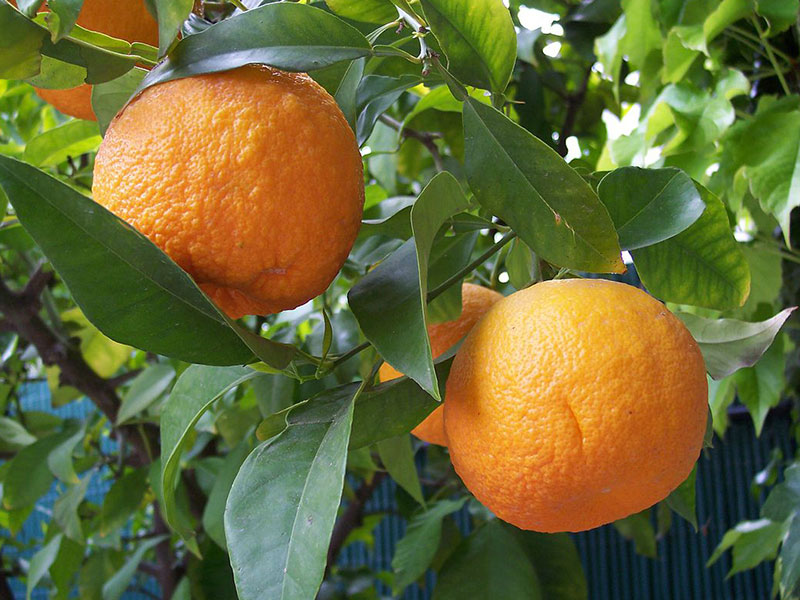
426	138
768	48
574	103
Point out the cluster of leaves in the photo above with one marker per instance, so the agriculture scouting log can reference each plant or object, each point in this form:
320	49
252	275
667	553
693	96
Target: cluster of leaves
461	112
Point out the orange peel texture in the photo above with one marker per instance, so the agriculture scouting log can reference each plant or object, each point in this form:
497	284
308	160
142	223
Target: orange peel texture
575	403
251	180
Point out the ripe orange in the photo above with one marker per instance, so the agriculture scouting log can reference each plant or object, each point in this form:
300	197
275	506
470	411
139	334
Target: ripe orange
575	403
250	179
127	20
475	301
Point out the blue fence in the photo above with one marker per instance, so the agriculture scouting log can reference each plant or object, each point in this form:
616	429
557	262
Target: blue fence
612	567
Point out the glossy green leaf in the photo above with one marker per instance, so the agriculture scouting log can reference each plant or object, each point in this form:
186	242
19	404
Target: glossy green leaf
122	500
416	549
761	387
60	459
28	478
143	298
289	36
478	38
65	509
375	95
171	15
214	511
41	561
790	560
729	345
388	410
282	506
683	501
521	264
780	14
639	529
752	541
25	41
347	91
116	586
145	389
701	266
194	393
487	565
523	181
771	162
66	14
649	206
14	434
397	457
54	146
367	11
557	564
108	98
398	287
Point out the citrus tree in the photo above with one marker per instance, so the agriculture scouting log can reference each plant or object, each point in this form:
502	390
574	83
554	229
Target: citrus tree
263	281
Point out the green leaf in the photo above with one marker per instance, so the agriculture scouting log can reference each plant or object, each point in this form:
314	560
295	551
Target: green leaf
721	395
397	457
396	290
282	506
478	38
116	586
771	162
110	97
557	564
140	284
65	509
760	387
784	498
214	511
65	567
289	36
701	266
522	180
729	345
66	13
375	95
416	549
25	41
488	565
171	15
60	459
637	527
41	561
520	264
790	560
781	14
54	146
682	499
367	11
28	478
195	391
145	389
387	410
14	434
649	206
347	90
122	501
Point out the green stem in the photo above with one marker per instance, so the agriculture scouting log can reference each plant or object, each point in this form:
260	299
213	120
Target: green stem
433	294
744	33
769	49
239	5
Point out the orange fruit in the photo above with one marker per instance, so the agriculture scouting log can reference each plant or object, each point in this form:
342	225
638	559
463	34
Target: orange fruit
250	179
575	403
475	301
127	20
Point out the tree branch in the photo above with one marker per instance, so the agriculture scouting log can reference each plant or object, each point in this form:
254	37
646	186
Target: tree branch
351	518
426	138
574	103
